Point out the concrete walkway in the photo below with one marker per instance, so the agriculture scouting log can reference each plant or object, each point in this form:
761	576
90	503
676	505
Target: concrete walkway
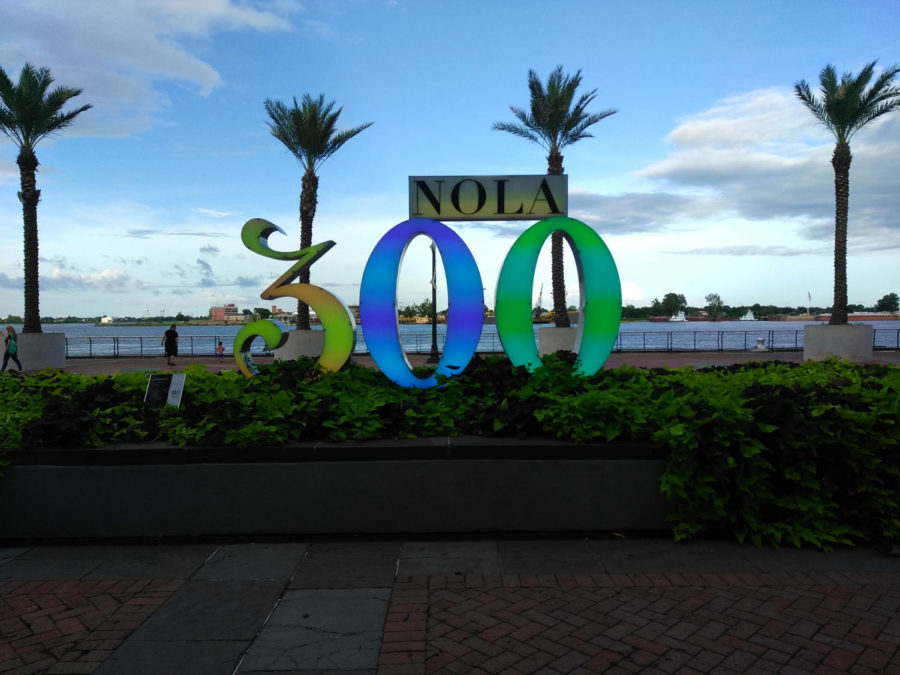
617	605
98	366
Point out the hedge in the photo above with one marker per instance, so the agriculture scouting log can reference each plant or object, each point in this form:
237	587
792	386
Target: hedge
773	453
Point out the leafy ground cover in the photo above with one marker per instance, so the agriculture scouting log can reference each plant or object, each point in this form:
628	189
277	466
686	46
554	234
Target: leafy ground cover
775	453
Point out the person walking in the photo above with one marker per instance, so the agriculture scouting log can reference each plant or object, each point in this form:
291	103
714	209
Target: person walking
220	352
170	340
11	350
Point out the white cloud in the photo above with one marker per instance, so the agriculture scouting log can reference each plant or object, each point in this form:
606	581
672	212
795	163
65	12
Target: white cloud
149	233
632	293
119	51
764	157
109	281
212	213
636	212
770	118
758	156
204	267
753	249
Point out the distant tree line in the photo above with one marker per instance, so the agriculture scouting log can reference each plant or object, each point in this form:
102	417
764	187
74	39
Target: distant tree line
672	303
423	310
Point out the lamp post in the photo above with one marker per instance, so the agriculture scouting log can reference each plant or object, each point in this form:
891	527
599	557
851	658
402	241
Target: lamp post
434	357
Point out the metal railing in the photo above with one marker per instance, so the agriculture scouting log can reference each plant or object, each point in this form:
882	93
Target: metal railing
709	341
420	343
728	340
148	345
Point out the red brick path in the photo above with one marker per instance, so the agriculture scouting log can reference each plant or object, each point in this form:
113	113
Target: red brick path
71	626
612	623
666	623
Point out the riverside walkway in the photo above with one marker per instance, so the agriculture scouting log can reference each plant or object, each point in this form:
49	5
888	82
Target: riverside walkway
695	359
603	603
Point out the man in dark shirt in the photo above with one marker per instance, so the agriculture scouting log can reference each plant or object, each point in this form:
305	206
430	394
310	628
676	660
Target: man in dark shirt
170	340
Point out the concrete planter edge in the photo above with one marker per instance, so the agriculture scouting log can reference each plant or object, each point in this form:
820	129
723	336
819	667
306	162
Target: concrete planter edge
553	338
552	488
38	351
301	343
852	342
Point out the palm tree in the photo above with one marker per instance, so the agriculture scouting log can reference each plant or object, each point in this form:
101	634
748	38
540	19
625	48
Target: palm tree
308	131
845	107
28	114
553	122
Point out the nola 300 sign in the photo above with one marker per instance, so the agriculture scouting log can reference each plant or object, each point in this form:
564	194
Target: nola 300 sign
452	198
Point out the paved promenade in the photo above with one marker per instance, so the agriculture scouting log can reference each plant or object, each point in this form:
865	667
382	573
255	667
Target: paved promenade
616	605
637	359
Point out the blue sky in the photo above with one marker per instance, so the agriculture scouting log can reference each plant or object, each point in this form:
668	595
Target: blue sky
711	177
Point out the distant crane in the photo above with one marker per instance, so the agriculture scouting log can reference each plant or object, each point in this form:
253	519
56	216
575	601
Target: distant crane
539	307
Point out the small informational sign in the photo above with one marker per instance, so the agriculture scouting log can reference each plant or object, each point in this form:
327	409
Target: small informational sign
488	197
164	389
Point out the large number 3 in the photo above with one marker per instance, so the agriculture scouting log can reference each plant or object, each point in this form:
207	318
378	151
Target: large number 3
336	318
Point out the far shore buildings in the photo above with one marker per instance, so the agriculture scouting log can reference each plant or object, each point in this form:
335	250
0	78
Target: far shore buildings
229	313
279	314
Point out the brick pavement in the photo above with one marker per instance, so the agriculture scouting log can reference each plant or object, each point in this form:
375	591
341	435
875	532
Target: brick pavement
72	626
845	619
628	623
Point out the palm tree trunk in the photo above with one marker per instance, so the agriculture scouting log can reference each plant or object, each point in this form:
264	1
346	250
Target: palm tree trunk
554	162
308	202
558	281
840	160
30	196
557	272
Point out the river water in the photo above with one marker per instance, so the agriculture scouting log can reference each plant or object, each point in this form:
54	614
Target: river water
86	339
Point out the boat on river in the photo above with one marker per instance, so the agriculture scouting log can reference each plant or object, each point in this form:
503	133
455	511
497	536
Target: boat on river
748	316
678	316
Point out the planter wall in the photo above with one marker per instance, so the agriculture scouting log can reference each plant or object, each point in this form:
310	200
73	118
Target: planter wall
37	351
301	343
851	342
367	489
551	339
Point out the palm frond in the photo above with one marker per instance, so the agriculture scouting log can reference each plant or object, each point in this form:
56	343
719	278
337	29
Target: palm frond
555	118
339	138
846	105
815	106
881	98
28	113
308	129
516	130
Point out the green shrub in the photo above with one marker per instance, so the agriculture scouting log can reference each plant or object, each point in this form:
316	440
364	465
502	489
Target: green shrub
773	453
786	454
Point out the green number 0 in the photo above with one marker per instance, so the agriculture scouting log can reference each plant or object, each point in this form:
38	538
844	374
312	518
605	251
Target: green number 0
601	295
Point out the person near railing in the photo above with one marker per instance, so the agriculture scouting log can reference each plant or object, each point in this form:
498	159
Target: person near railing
170	339
11	350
